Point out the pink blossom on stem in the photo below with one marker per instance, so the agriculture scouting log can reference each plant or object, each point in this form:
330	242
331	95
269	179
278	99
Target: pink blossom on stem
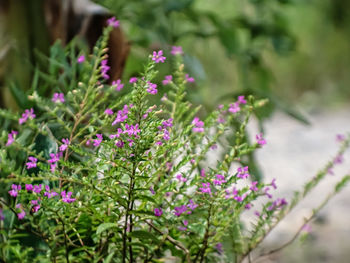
104	69
108	112
189	79
176	50
241	100
234	107
118	85
98	141
14	190
168	79
260	140
133	80
11	137
28	114
66	197
58	97
81	59
158	211
32	162
198	125
65	144
151	88
113	22
158	56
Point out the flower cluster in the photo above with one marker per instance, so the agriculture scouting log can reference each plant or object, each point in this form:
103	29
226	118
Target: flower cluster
28	114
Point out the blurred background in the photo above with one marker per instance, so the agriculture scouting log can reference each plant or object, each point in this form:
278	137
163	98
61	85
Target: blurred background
296	53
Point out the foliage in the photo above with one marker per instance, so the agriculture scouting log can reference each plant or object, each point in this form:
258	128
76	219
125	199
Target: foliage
100	174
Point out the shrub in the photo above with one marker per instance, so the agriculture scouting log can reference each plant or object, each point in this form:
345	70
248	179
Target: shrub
99	174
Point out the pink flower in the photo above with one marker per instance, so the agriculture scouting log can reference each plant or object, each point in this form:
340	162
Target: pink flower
11	137
241	100
181	178
151	88
167	80
243	172
338	159
340	138
133	80
15	188
37	189
118	85
81	59
29	187
192	205
32	162
104	69
66	198
205	188
179	210
58	97
122	115
158	56
260	140
158	211
198	125
21	215
27	114
234	107
189	79
176	50
65	144
220	179
113	22
98	141
253	186
109	112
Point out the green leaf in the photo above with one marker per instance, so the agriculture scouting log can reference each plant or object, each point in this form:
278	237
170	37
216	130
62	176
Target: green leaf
144	235
105	226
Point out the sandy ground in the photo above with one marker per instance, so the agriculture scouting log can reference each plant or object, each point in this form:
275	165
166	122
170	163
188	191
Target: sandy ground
294	153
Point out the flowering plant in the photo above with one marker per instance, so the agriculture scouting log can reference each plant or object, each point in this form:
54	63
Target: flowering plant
98	174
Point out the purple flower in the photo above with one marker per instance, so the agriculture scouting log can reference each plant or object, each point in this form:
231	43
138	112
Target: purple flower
234	107
158	211
118	85
241	100
198	125
66	198
220	179
167	80
113	22
184	227
152	190
32	162
122	115
151	88
133	80
81	59
219	248
104	69
189	79
205	188
27	114
29	187
109	111
306	228
179	210
340	138
243	172
266	191
278	203
158	56
65	144
192	205
202	173
55	157
257	213
338	159
98	141
119	144
253	186
248	206
176	50
15	188
273	183
48	193
58	97
37	189
11	137
260	140
181	178
21	215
